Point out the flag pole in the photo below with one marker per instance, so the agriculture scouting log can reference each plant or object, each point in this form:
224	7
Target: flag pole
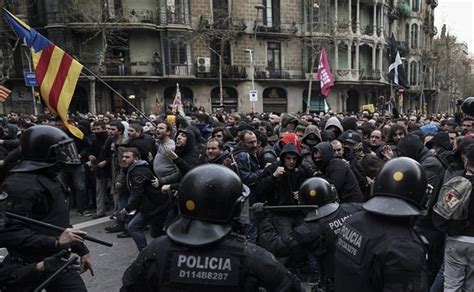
116	92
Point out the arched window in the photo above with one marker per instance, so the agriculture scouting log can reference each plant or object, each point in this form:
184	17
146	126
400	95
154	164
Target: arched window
414	36
230	98
275	100
407	34
413	73
186	97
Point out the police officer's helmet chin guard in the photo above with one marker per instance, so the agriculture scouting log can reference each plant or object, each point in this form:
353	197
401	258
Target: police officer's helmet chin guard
399	189
318	191
209	197
468	106
44	146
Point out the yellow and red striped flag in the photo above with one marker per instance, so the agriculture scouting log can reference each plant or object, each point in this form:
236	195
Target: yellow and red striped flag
56	72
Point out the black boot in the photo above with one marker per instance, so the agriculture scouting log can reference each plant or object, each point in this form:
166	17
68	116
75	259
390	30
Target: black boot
124	234
117	227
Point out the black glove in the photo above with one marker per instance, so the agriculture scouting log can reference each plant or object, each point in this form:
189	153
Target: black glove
54	262
259	210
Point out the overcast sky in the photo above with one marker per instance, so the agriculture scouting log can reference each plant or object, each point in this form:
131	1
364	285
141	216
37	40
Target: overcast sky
459	18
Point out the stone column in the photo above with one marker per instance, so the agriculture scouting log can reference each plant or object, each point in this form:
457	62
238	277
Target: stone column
357	55
382	19
374	52
374	25
336	55
358	17
92	102
335	13
381	49
350	16
349	55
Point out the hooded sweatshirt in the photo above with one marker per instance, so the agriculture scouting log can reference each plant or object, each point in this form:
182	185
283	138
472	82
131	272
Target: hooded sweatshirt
278	191
338	173
334	121
188	156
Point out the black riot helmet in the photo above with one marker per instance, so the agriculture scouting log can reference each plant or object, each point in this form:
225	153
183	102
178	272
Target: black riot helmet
209	197
399	189
318	191
467	106
43	146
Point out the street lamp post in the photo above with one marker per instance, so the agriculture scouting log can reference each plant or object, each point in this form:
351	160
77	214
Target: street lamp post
252	51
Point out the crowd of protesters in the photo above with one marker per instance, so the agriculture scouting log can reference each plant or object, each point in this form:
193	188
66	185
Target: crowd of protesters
132	165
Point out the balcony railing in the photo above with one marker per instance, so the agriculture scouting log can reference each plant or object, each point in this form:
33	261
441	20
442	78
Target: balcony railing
141	16
170	18
282	28
179	69
263	73
375	75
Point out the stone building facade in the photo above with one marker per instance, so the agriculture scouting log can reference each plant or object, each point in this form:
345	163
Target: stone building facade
143	48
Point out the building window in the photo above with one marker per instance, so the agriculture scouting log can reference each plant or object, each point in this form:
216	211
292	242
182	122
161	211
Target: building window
317	16
413	73
220	11
52	11
177	11
176	54
414	36
407	34
271	13
415	5
273	57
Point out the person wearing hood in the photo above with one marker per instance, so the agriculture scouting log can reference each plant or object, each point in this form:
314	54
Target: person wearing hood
311	137
289	121
149	203
186	156
334	125
203	125
279	185
336	172
456	167
411	147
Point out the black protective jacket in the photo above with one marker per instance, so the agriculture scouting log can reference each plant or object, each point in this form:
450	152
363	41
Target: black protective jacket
338	173
231	264
379	253
317	237
38	196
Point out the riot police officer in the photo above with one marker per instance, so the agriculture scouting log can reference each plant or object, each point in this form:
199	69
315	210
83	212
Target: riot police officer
317	235
377	248
199	252
34	191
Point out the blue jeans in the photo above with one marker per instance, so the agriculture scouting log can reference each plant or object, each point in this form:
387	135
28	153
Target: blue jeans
138	223
458	265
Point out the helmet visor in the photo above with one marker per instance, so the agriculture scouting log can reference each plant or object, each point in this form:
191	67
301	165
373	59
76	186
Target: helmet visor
66	153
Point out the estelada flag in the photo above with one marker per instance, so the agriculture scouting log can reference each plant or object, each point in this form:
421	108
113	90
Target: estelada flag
324	73
56	72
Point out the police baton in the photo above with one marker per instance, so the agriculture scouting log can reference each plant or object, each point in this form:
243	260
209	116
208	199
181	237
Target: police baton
53	227
289	207
71	261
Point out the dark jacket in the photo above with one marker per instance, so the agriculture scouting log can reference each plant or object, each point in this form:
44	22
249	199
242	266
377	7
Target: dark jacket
279	190
188	156
143	196
267	155
338	173
145	145
101	150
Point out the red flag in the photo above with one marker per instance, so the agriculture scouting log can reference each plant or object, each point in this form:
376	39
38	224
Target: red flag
324	74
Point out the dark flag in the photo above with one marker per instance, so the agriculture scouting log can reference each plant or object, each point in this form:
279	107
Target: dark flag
396	72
